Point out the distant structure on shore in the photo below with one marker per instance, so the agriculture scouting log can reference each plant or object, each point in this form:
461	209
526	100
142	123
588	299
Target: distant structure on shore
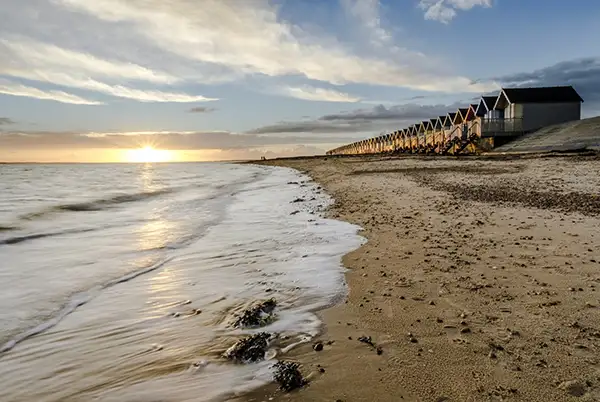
492	122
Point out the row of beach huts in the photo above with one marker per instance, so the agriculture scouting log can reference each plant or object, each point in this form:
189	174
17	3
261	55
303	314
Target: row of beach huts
491	122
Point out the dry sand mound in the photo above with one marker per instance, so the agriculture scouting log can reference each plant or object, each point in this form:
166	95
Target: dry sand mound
578	135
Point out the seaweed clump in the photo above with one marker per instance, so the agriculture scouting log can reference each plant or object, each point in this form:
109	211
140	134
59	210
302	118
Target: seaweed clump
258	315
287	375
250	349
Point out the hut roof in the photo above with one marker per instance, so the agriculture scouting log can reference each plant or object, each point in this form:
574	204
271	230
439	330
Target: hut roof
542	95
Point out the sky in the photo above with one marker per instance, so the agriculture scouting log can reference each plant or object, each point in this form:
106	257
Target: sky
92	80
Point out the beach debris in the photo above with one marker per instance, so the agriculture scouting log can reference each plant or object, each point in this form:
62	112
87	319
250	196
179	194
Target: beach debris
573	388
250	349
258	315
367	340
287	375
317	347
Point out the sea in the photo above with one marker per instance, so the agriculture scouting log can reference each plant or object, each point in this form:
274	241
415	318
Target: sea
120	282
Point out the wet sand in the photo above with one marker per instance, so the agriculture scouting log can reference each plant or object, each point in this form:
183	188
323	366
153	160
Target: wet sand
480	281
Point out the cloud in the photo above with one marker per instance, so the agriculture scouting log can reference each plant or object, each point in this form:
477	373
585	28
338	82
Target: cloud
373	119
582	74
37	61
445	10
367	13
6	121
318	94
234	39
211	140
9	88
202	109
21	51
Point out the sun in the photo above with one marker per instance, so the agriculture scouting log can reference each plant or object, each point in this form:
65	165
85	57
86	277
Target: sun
148	154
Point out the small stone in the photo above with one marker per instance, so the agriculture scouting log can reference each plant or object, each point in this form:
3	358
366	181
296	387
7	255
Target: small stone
492	355
465	331
439	320
317	347
379	350
321	370
432	303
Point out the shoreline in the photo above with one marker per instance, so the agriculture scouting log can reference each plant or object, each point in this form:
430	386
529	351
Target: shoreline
470	290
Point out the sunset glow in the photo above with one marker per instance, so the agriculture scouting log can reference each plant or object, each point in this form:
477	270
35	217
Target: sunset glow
148	155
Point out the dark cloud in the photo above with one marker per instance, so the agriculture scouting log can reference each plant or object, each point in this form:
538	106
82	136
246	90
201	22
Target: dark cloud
312	126
6	121
202	109
375	119
169	140
582	74
407	112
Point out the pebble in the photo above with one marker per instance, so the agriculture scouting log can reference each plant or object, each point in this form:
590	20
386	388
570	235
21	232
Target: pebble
317	347
465	331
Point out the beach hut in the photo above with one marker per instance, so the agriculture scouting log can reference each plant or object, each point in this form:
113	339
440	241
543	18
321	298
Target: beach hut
485	107
423	130
534	108
459	116
431	132
440	128
398	140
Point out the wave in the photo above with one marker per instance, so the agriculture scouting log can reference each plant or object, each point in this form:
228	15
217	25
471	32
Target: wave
77	300
98	204
34	236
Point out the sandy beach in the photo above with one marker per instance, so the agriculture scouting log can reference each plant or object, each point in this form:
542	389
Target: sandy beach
479	281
